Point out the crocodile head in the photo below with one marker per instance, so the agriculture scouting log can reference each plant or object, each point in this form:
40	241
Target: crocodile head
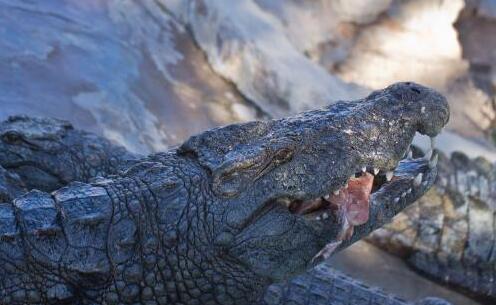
48	153
293	189
28	146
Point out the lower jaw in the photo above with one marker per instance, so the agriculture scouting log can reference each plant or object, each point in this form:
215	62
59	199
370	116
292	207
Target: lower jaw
409	185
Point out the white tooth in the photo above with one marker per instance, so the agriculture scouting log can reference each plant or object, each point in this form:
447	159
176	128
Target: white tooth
389	176
376	171
433	142
422	109
433	162
346	185
286	202
318	217
428	155
336	192
396	200
417	180
326	196
409	191
364	169
424	183
410	155
403	195
325	215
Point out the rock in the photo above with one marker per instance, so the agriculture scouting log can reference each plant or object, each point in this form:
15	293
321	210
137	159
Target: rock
476	24
402	45
123	69
248	46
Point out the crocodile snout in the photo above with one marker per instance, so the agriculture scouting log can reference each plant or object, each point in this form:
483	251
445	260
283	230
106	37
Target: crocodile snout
428	107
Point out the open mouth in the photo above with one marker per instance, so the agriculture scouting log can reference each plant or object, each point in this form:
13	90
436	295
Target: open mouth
350	205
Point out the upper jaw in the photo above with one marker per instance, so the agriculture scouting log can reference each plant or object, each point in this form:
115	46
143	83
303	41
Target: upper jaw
410	176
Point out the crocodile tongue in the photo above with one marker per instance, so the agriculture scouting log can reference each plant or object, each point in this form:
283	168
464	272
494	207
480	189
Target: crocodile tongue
352	204
353	201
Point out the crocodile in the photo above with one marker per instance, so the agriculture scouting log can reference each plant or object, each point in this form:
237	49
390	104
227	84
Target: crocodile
318	286
226	214
450	233
48	153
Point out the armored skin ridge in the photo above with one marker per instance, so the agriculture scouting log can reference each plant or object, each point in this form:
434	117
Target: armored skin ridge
225	215
450	233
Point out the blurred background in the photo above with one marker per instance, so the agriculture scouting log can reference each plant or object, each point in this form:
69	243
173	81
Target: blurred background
148	74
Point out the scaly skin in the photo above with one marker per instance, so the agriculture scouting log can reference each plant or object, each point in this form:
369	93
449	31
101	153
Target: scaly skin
325	286
49	153
11	185
204	223
450	234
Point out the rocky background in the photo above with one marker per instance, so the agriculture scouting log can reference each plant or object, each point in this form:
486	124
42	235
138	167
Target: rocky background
147	74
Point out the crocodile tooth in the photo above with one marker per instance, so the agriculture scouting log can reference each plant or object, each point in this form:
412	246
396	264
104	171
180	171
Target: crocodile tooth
433	142
409	190
346	185
417	180
364	169
325	215
326	196
424	183
389	176
403	195
428	155
422	109
433	162
408	152
410	155
286	202
376	171
336	192
396	200
318	217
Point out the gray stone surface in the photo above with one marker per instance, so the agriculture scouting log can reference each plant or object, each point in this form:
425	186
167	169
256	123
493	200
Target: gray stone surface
124	69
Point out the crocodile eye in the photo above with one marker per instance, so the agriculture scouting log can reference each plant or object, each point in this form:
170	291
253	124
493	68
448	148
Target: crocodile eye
283	155
11	137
